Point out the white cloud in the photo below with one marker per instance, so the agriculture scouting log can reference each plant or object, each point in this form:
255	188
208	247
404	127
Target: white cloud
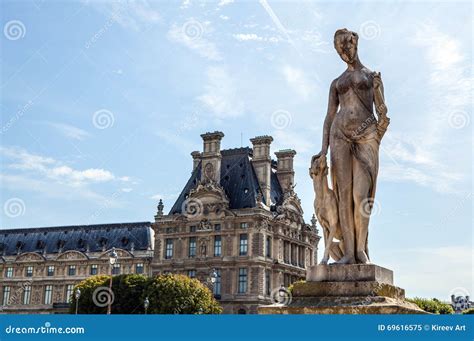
223	3
69	131
424	158
247	37
224	17
254	37
298	81
192	35
221	96
128	14
46	168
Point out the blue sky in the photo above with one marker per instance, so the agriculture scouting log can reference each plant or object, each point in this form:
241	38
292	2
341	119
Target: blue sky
101	104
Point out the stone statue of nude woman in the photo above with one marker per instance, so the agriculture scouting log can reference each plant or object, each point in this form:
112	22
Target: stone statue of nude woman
353	135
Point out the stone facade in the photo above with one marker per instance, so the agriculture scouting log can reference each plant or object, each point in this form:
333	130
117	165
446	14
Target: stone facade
235	217
40	266
238	215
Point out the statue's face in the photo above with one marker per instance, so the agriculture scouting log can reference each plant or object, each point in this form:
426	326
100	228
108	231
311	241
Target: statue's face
346	47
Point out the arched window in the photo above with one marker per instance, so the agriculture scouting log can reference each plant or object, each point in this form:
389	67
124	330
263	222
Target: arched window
241	311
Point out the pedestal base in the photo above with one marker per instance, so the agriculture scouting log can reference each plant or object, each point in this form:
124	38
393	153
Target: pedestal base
346	289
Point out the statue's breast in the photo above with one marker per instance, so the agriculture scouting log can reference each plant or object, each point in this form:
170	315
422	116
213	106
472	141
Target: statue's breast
355	79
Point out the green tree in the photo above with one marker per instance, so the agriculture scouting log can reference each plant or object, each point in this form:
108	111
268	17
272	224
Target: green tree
86	304
167	294
179	294
468	311
433	306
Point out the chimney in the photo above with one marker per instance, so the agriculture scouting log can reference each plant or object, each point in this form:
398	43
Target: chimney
285	171
196	158
211	157
262	164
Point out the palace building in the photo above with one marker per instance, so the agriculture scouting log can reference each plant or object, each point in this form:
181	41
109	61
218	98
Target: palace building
238	217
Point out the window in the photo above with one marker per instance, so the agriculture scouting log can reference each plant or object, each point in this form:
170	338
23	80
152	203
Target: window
269	246
6	295
192	247
244	225
286	256
139	268
26	294
9	272
192	228
29	271
48	294
94	269
268	283
217	246
71	270
242	280
241	311
116	269
169	249
191	273
50	270
217	227
243	245
69	291
217	284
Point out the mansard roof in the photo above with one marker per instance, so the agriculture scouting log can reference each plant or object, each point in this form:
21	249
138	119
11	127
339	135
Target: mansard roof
92	238
238	180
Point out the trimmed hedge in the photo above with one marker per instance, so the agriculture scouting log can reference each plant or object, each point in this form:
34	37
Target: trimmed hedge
167	294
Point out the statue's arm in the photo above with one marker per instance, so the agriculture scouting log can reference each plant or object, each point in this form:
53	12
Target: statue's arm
333	104
379	97
380	106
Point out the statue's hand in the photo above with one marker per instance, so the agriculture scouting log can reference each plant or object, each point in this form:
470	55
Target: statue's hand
377	80
324	151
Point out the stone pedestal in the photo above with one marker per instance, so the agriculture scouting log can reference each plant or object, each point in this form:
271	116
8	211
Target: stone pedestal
346	289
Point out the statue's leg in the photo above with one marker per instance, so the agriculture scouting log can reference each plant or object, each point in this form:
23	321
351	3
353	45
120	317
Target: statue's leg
341	161
362	186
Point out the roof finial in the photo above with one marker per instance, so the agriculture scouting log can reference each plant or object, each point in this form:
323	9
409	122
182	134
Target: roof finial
160	208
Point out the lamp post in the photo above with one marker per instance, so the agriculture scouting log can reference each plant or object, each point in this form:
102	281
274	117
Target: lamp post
146	304
212	279
281	294
112	260
77	295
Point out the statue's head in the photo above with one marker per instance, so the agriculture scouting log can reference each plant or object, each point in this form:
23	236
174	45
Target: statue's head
319	166
345	43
